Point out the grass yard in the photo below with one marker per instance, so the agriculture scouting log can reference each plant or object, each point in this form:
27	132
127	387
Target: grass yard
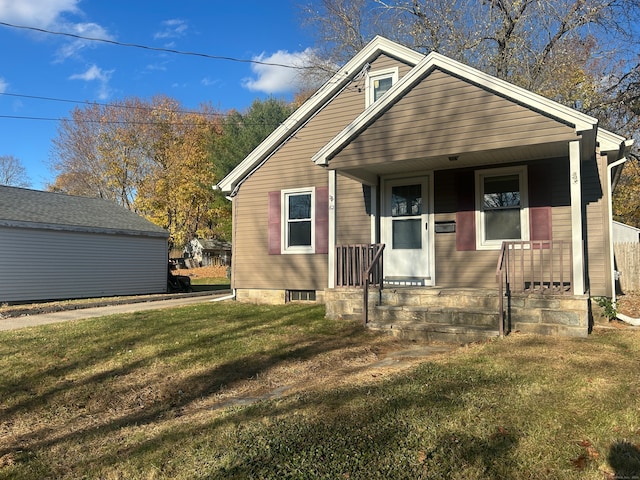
233	391
206	278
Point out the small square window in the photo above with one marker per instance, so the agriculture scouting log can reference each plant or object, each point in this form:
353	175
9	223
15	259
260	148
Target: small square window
301	295
379	82
381	86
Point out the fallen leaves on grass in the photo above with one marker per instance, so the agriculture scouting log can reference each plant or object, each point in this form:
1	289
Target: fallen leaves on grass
590	453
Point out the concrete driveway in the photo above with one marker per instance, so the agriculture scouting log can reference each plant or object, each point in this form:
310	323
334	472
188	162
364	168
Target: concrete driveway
169	301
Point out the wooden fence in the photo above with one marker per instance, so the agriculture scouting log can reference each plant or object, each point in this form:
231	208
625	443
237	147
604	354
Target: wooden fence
627	257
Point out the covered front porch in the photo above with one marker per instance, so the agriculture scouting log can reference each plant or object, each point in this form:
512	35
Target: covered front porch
488	209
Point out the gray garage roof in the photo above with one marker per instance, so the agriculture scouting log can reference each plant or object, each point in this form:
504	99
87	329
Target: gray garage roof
21	207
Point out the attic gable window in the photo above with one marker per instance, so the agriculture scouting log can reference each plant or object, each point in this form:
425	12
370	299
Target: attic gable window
379	82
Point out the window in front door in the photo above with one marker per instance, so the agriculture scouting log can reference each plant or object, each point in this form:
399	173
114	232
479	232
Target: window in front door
406	211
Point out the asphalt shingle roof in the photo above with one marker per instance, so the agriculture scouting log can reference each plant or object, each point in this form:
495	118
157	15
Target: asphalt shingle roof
213	244
23	207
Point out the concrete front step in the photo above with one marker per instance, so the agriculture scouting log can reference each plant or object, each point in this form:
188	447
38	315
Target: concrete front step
436	332
440	315
441	297
437	315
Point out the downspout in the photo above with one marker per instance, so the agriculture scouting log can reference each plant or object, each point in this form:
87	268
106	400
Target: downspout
610	168
227	297
619	316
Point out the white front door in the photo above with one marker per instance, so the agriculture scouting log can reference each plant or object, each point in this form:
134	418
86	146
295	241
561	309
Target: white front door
405	231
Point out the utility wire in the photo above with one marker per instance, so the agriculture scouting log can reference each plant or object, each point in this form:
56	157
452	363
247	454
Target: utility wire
123	122
108	105
157	49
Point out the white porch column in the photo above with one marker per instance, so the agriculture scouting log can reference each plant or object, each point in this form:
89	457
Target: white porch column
374	214
576	217
332	230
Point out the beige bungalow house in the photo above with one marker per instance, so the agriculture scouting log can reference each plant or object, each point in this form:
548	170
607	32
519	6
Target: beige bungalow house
471	205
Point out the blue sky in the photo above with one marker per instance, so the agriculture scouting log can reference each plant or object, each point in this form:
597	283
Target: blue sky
38	64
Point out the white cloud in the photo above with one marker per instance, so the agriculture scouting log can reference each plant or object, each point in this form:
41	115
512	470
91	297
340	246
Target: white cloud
210	82
95	73
275	78
3	85
53	15
173	28
156	67
36	13
75	46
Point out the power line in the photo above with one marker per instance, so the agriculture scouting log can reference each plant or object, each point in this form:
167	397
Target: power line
144	108
108	105
124	122
109	122
157	49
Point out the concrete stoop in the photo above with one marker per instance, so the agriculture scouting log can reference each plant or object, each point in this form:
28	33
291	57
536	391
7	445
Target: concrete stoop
456	315
437	315
436	332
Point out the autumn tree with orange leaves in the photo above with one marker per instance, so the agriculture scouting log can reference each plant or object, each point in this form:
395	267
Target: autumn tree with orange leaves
152	157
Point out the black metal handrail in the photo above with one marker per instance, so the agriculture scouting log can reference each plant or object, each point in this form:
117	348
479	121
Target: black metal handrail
375	273
534	266
499	276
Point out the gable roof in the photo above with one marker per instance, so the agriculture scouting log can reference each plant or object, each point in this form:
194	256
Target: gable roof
577	120
25	208
344	76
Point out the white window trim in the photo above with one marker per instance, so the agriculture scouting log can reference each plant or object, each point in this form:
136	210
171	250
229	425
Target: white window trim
284	248
521	171
378	75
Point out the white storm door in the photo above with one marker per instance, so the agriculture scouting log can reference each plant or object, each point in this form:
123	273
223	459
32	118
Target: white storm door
405	231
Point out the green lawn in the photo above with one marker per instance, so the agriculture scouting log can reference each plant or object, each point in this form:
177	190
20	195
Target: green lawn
187	393
209	283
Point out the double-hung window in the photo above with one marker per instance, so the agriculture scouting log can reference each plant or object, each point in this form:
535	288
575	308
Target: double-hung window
379	82
298	235
501	206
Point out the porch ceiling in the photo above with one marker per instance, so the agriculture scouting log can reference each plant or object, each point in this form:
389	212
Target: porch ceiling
368	173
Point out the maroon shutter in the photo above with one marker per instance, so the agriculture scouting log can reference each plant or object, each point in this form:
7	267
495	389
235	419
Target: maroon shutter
540	223
466	214
274	231
322	220
465	231
540	201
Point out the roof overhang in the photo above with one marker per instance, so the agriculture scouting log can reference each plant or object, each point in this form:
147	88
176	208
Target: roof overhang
584	125
83	229
344	76
613	143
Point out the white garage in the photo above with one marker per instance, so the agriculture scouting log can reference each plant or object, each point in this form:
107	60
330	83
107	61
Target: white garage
55	246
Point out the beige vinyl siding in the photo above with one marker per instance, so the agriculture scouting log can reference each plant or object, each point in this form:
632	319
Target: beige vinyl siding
384	62
477	268
39	264
596	226
353	224
291	167
445	115
463	269
455	268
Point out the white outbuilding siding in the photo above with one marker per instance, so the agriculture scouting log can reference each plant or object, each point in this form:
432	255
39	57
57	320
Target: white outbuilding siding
45	254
